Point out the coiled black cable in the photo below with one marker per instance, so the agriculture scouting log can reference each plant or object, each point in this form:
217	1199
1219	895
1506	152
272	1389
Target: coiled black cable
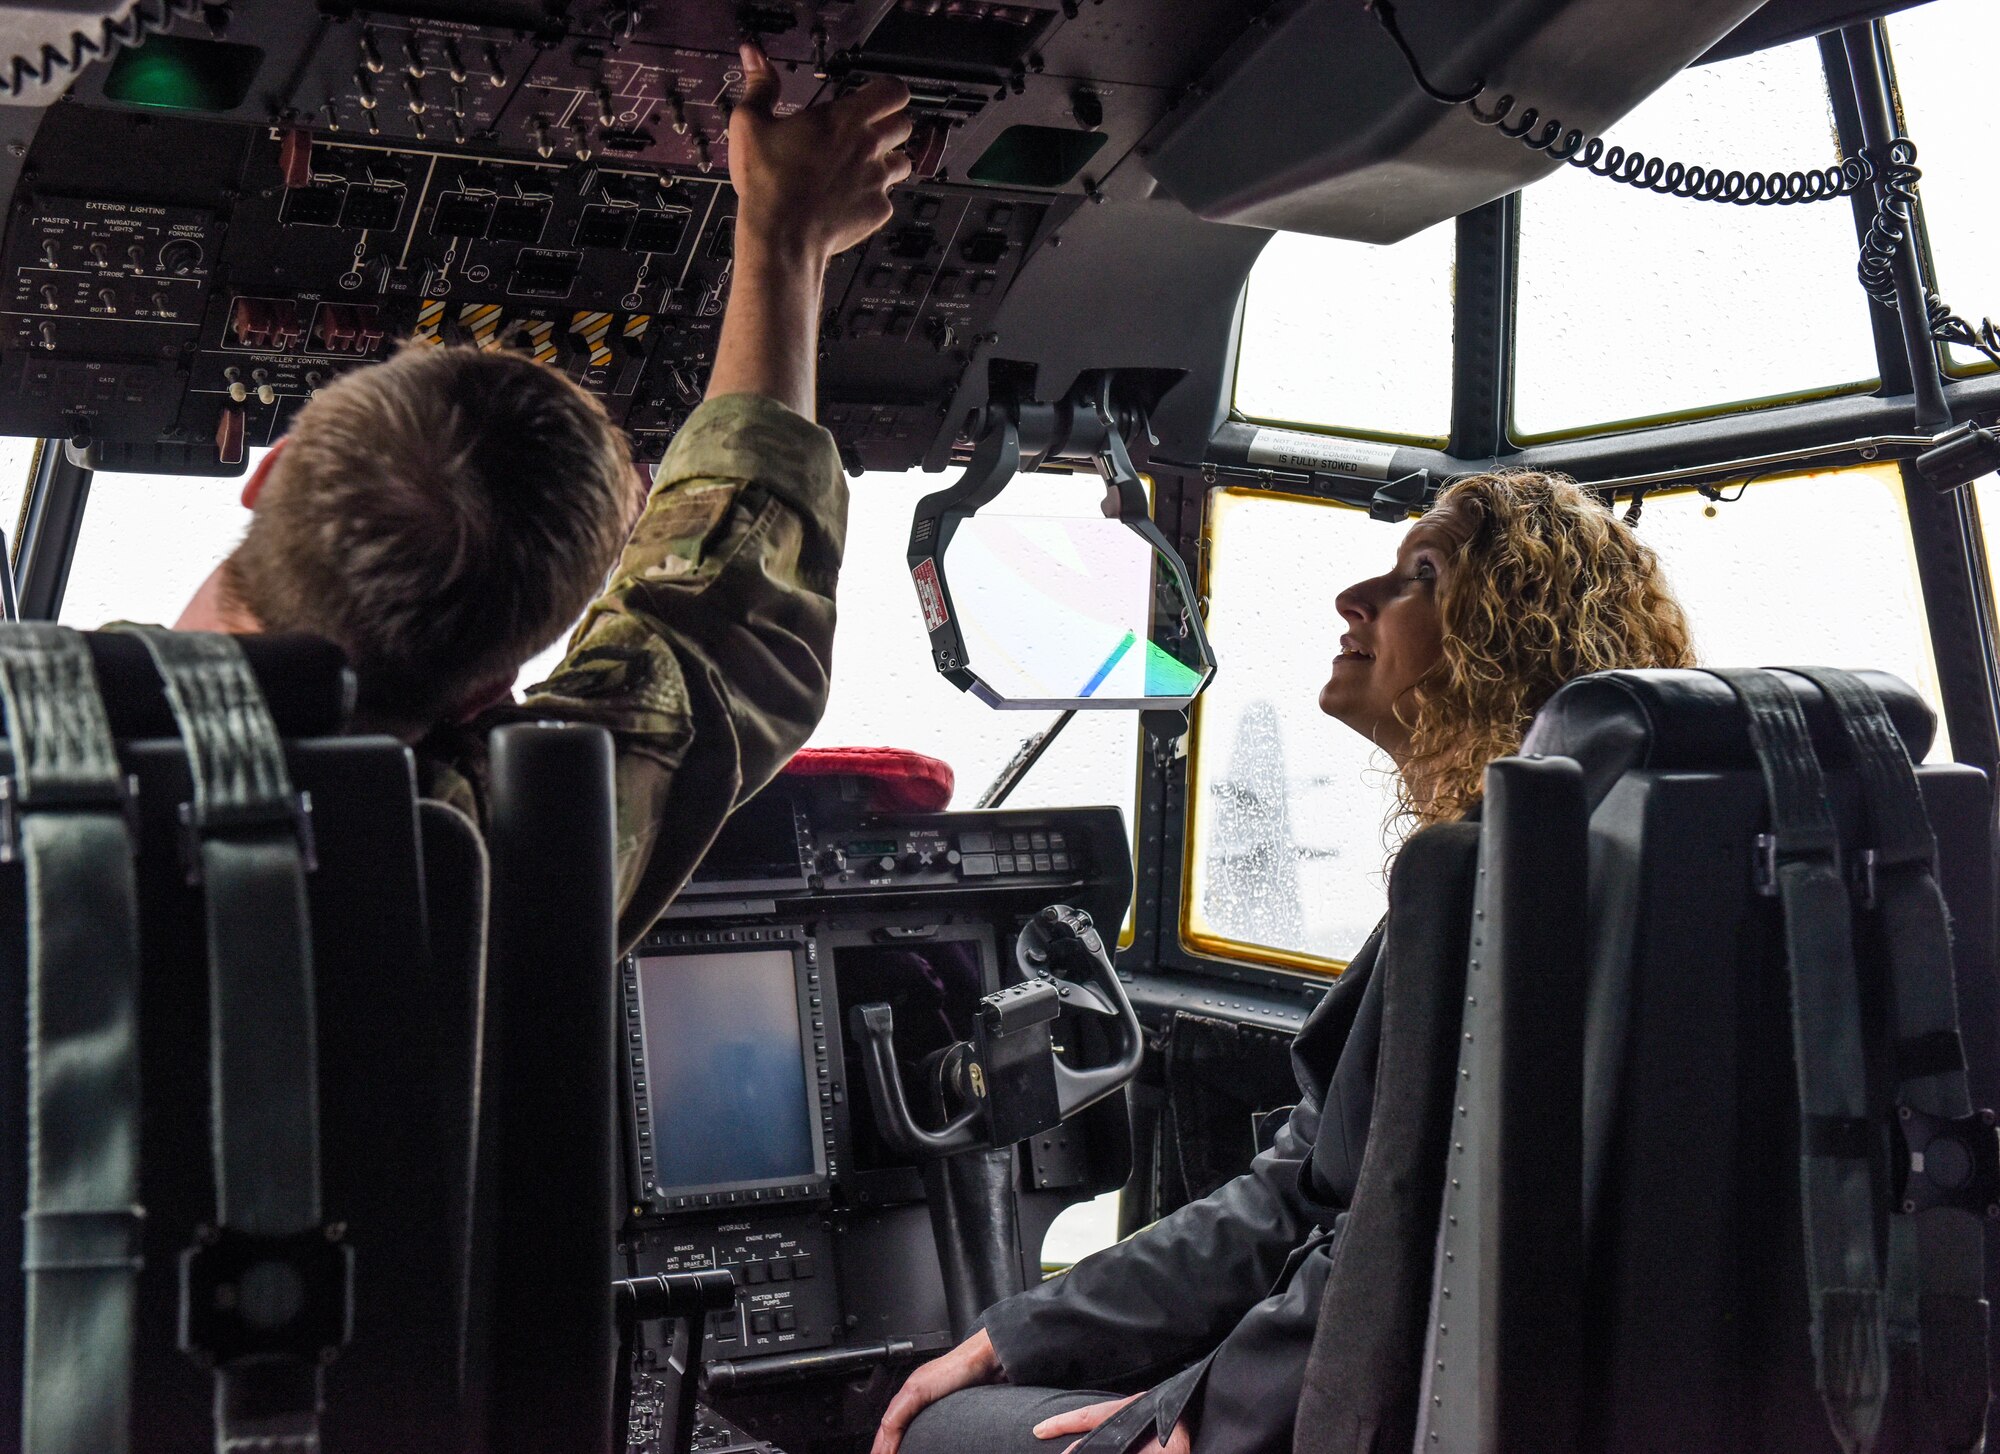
1620	164
23	72
1670	179
1888	230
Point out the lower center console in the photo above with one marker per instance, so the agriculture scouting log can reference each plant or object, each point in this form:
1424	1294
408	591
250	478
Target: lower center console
750	1140
786	1296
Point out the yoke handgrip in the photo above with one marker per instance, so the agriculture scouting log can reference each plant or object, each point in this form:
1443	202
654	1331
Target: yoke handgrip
1058	939
874	1028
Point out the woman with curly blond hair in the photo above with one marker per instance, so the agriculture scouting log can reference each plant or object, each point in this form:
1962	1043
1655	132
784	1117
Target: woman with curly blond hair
1513	584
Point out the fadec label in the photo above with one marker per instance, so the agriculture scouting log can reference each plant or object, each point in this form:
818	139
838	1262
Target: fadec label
931	594
1289	449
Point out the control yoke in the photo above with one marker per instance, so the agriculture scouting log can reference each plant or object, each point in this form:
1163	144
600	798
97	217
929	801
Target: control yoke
1009	1078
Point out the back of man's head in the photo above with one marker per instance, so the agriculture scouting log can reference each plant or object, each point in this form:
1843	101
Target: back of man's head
442	517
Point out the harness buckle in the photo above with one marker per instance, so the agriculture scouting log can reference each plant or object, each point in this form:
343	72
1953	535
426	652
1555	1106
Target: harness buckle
195	826
248	1297
13	804
1949	1162
1768	854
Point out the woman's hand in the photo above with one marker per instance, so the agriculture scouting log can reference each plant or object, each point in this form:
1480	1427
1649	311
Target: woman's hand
971	1362
1083	1420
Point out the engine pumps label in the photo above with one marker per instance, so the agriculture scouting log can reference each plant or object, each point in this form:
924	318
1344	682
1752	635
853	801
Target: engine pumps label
930	594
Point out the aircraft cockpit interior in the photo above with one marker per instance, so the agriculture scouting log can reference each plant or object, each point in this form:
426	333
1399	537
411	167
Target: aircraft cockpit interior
887	934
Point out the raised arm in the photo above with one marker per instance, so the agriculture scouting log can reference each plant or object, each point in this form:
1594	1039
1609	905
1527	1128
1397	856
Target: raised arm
808	186
708	657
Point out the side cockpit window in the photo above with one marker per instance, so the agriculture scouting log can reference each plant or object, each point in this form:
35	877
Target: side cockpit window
1351	337
1635	307
1952	125
1286	843
1289	831
148	542
1808	569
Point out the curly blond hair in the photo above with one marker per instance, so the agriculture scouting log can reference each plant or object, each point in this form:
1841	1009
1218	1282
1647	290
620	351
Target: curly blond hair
1547	585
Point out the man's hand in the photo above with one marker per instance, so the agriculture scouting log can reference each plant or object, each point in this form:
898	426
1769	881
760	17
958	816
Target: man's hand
808	186
1083	1420
816	182
971	1362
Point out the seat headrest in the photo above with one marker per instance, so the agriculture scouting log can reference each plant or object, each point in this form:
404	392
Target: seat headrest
304	679
1616	722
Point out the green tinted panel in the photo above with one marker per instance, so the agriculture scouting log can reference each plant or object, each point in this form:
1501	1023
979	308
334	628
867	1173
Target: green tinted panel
184	75
1036	156
1052	609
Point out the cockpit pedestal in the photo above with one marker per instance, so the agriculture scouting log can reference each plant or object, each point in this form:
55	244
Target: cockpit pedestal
840	1089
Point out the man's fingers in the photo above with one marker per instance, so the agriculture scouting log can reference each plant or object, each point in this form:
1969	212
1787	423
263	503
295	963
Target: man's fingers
896	167
894	132
760	81
883	96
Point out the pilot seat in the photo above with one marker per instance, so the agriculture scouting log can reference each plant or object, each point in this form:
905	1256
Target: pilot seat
1713	1168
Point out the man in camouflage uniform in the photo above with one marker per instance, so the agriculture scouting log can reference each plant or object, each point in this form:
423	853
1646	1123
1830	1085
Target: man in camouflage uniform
445	515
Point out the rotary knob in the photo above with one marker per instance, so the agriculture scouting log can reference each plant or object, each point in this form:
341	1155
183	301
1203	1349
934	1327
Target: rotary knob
180	257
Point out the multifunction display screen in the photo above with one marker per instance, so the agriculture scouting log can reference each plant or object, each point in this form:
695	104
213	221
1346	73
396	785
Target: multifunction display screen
728	1066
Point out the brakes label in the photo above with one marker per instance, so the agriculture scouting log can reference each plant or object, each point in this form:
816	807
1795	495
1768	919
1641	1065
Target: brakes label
1287	449
931	594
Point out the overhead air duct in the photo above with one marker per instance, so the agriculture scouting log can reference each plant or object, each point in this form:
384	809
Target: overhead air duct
1314	122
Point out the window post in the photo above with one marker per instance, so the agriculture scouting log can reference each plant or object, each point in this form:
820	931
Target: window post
49	528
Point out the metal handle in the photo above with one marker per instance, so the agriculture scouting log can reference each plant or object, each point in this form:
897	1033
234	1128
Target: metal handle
1062	940
874	1028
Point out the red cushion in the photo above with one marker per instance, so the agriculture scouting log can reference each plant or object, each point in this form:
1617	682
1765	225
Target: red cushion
898	781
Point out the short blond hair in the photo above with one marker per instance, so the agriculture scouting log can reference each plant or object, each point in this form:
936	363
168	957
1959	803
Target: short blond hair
441	517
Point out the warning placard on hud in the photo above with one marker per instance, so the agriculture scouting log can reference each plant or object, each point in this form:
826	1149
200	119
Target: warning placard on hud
930	594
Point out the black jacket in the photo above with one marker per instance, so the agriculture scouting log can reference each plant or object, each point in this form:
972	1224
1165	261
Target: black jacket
1214	1307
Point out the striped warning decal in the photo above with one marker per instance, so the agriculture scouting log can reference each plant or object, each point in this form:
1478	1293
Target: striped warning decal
593	327
635	332
430	322
539	336
481	322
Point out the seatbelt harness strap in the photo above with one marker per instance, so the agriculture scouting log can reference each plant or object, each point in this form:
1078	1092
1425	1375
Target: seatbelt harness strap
1936	1249
66	816
266	1294
1841	1144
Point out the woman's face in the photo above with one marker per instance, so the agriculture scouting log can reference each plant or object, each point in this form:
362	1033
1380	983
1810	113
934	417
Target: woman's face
1393	634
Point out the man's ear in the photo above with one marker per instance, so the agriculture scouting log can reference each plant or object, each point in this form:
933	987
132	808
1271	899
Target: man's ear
254	486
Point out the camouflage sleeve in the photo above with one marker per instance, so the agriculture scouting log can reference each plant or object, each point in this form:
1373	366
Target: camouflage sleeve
708	656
